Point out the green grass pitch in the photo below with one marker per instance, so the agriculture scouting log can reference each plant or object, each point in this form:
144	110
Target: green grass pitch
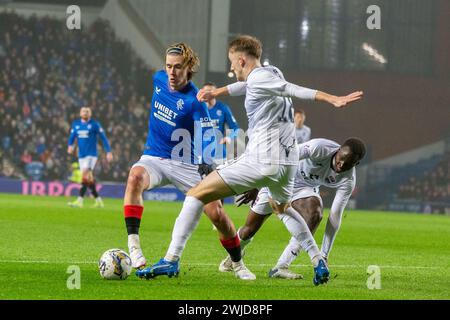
42	238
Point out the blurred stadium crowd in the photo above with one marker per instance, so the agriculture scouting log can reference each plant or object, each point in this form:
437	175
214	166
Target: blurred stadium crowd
431	186
46	74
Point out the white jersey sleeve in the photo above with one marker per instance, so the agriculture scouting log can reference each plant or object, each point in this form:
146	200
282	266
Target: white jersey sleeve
237	89
343	194
273	84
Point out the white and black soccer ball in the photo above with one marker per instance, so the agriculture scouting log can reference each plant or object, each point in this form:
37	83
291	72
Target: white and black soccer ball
114	264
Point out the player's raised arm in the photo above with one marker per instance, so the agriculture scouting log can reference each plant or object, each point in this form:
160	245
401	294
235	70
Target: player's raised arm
339	101
277	85
234	89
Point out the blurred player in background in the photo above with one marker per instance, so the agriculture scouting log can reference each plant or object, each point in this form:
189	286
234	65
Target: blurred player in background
221	116
323	163
173	155
86	131
271	156
302	131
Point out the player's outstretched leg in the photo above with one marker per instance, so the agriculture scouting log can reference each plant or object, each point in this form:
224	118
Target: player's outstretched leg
281	269
297	226
138	181
208	191
253	223
185	224
162	267
226	265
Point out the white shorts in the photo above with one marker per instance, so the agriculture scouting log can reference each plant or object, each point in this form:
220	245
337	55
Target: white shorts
262	205
243	174
162	172
220	162
87	162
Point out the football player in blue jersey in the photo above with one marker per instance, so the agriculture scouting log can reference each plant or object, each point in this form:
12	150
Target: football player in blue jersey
221	116
86	131
173	155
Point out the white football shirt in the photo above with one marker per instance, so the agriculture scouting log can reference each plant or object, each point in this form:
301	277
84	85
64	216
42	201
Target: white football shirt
269	110
315	170
303	134
315	167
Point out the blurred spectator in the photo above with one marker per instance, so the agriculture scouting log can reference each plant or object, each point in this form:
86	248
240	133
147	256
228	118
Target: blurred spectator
34	170
433	186
76	173
46	74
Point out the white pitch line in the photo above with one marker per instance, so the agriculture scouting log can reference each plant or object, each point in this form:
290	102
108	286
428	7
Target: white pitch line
215	265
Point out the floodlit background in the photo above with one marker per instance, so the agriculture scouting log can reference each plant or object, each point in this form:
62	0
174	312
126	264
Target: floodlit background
48	72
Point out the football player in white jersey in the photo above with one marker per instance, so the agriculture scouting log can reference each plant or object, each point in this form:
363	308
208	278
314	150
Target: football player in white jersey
270	159
302	131
323	163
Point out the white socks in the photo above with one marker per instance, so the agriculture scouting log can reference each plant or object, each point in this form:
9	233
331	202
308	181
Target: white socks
297	226
185	224
292	250
289	254
133	241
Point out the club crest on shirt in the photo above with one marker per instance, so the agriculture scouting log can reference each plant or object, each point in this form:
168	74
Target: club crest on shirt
89	127
180	104
219	113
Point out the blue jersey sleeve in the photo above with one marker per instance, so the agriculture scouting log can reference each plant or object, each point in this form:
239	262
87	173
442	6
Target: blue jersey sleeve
203	133
102	135
72	136
231	122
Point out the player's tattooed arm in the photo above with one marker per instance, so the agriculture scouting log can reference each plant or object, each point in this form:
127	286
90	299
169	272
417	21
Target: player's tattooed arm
338	101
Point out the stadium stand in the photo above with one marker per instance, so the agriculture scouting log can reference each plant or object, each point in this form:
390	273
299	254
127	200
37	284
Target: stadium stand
46	74
423	186
430	185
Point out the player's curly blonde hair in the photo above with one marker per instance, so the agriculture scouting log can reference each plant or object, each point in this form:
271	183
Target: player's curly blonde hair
191	59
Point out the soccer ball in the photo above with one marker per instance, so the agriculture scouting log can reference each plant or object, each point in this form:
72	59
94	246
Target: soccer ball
114	264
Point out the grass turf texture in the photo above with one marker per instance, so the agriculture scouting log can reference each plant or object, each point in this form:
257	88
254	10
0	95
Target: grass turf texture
42	237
